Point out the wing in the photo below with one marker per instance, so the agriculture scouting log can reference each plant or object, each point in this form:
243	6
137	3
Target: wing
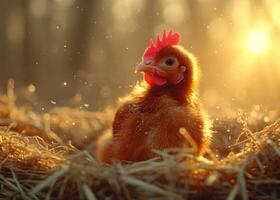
190	121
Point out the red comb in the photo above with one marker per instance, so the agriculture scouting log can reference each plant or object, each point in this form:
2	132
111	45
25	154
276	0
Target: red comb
167	40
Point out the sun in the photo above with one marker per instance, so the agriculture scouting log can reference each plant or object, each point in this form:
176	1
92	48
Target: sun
257	42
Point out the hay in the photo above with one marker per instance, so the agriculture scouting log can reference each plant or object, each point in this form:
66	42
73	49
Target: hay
54	168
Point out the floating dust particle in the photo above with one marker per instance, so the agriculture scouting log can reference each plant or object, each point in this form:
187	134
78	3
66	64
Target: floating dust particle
31	88
65	83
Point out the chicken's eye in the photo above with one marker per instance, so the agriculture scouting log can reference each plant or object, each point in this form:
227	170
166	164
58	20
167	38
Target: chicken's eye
169	61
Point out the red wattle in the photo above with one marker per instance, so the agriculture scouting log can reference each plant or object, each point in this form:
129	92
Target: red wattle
154	79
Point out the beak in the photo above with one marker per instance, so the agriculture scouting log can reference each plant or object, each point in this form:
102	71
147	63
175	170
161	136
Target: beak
141	67
147	67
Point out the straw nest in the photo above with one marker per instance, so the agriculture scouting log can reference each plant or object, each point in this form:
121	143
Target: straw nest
39	162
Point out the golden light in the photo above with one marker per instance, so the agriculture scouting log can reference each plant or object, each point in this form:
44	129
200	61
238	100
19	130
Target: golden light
257	42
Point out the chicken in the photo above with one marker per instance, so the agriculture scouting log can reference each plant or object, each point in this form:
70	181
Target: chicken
167	114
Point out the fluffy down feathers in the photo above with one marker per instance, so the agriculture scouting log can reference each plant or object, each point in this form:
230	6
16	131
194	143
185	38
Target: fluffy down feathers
162	116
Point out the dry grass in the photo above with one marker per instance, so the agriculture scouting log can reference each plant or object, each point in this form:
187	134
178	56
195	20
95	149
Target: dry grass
33	168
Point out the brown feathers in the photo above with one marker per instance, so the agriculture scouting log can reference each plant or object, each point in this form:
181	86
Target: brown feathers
164	116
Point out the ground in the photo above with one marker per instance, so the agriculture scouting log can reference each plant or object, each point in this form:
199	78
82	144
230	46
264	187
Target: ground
51	156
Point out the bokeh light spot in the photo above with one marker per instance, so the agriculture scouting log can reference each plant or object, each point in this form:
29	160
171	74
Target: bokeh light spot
174	13
257	42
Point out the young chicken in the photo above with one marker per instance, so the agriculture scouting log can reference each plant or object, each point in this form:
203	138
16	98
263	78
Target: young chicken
167	114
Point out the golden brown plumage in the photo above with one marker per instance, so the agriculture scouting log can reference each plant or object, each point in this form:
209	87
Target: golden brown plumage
159	117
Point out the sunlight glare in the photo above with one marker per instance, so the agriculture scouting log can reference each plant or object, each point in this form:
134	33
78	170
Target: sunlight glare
257	42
